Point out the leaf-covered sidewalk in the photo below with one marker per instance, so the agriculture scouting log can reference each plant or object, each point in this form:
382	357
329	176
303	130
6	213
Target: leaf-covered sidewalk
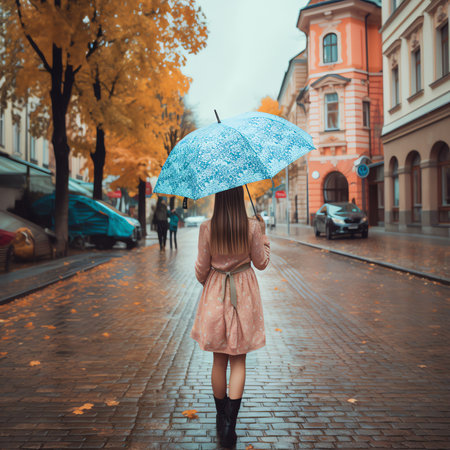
356	357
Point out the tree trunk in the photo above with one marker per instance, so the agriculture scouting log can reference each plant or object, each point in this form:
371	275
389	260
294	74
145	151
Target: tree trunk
98	158
141	208
60	96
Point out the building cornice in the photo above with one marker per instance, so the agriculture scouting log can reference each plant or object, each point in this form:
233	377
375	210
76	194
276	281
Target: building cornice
330	78
333	7
413	27
337	72
427	114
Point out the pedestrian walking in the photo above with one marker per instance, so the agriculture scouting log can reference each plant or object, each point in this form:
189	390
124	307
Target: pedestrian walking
173	227
161	222
229	320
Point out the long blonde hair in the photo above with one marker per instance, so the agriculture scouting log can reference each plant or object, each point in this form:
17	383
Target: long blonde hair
229	223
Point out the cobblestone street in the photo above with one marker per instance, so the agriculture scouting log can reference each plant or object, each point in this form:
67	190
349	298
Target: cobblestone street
357	356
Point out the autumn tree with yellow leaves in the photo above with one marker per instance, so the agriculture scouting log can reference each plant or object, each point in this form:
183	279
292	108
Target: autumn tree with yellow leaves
48	46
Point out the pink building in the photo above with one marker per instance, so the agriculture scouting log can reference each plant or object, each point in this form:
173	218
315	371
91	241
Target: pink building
342	100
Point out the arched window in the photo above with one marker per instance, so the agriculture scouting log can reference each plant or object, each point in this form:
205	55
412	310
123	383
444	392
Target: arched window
335	188
444	183
416	188
330	51
395	190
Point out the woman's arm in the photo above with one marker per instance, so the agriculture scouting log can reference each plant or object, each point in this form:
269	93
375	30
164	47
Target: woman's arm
260	250
203	263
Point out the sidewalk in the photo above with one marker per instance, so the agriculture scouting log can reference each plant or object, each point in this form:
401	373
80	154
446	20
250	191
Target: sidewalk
425	256
21	282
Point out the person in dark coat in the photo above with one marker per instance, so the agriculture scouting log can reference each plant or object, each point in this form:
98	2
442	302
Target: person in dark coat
161	222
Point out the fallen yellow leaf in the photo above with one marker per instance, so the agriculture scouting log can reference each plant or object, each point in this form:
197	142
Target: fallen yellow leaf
106	334
112	402
73	310
34	363
190	413
29	325
352	400
50	327
2	354
277	329
46	336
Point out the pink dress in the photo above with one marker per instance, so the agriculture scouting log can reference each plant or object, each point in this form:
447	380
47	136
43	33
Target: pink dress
218	326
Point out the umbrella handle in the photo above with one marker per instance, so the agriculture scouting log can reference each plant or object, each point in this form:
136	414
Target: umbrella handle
248	192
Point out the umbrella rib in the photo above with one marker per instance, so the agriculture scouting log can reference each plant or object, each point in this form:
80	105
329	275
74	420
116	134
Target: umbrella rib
251	147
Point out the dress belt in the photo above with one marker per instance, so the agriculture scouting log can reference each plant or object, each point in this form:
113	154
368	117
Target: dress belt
233	296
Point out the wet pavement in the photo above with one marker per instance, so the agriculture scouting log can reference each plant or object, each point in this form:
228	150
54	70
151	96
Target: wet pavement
356	357
421	254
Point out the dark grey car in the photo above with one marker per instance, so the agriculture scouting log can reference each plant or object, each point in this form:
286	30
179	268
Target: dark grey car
340	218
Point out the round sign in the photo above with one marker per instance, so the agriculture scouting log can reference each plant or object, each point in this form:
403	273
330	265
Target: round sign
362	170
315	175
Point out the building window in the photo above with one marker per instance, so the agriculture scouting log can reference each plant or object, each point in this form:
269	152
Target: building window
2	128
331	111
416	71
444	183
442	49
16	138
330	53
366	114
45	154
395	87
416	189
395	191
335	188
33	149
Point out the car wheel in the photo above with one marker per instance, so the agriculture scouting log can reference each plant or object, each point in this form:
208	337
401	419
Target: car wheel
316	230
329	233
131	244
365	234
104	242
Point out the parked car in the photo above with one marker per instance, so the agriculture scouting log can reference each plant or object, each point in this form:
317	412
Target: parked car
340	218
93	221
194	221
30	241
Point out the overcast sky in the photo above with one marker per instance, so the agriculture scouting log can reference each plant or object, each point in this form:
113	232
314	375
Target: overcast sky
249	46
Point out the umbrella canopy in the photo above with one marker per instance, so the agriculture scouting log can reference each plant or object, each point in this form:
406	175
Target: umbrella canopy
250	147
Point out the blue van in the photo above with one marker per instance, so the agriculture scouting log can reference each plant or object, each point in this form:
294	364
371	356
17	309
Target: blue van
91	220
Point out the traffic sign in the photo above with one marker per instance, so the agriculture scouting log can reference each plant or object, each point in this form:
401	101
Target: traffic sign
362	170
280	194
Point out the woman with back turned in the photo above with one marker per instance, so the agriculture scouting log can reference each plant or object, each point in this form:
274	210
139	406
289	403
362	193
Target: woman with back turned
229	321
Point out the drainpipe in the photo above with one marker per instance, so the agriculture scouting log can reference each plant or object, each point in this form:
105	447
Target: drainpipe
368	84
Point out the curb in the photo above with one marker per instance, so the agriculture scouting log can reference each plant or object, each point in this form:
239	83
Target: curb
69	274
417	273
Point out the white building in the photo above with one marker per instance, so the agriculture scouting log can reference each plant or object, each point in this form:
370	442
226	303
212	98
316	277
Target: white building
416	132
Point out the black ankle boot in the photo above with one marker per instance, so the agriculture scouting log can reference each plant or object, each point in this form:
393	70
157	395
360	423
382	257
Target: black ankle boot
220	416
229	436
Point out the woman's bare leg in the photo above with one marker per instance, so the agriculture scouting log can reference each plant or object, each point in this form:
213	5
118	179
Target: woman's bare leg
237	376
219	375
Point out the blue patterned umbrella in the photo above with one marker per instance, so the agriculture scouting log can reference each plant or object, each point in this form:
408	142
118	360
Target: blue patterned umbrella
250	147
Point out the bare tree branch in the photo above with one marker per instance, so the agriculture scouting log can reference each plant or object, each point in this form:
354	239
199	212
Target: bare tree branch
31	40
